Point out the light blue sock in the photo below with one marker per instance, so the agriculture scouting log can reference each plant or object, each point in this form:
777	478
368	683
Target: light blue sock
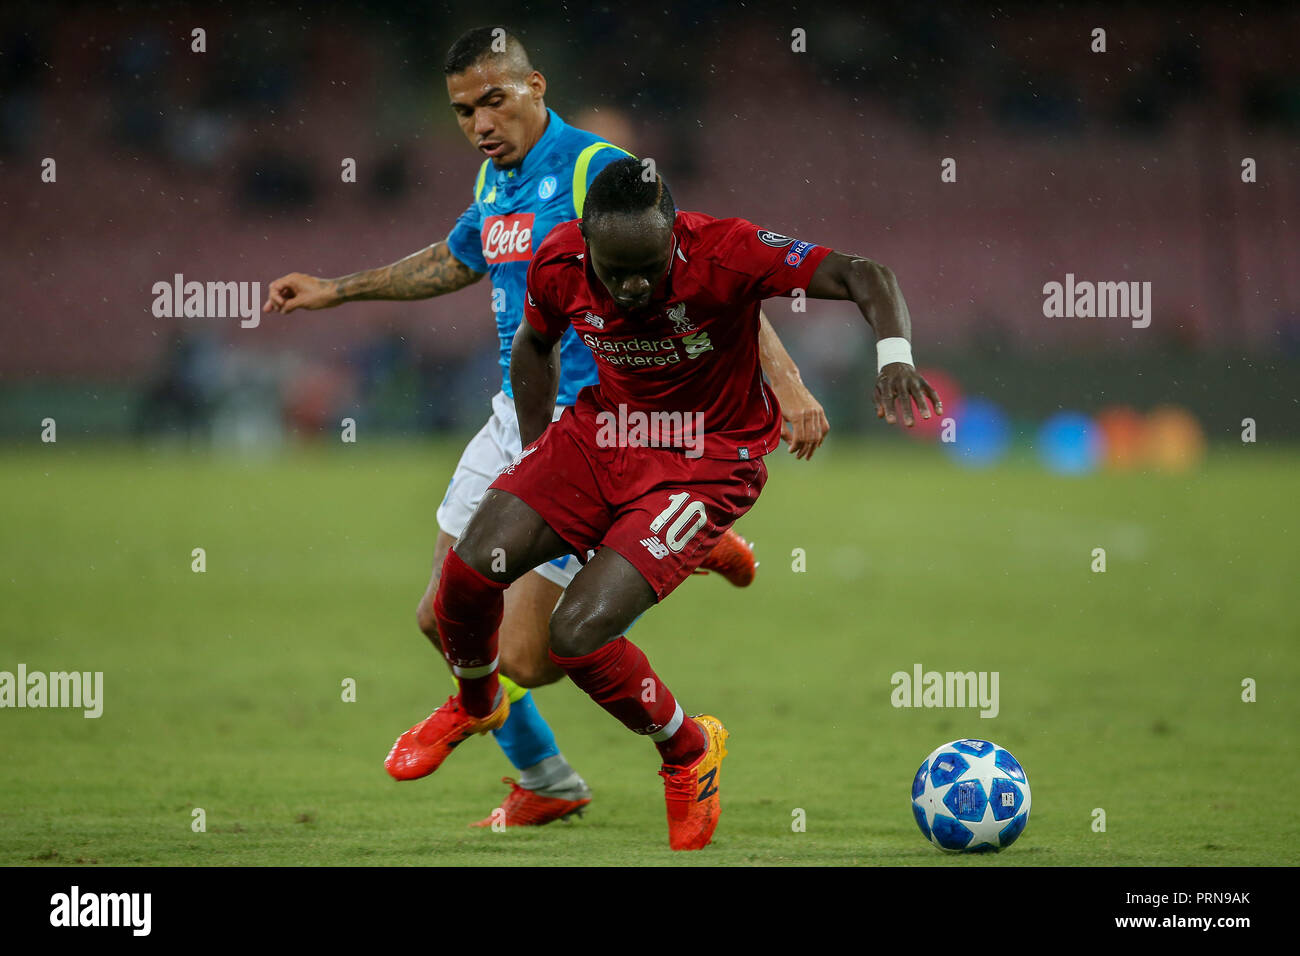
525	737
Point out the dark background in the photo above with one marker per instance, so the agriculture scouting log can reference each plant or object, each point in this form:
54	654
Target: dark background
225	166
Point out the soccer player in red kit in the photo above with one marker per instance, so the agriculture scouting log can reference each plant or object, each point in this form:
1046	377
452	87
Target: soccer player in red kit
650	467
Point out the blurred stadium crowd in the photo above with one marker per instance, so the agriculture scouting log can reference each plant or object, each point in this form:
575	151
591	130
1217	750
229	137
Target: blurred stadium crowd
225	166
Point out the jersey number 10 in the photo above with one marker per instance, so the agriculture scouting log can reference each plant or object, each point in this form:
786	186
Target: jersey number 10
679	533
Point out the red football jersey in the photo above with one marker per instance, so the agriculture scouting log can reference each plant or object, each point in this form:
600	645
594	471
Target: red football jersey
692	357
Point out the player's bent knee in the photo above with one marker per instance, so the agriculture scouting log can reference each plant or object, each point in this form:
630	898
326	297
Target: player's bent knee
528	671
425	617
577	630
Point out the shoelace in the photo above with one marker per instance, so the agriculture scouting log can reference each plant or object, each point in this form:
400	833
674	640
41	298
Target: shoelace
450	709
679	784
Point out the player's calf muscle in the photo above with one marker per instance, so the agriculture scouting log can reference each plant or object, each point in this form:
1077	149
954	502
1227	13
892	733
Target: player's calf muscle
523	665
424	615
525	632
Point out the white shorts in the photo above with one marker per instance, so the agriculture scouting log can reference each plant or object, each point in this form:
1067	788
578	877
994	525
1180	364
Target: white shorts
495	446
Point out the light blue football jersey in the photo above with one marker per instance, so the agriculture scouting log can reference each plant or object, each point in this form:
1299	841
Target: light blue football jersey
512	212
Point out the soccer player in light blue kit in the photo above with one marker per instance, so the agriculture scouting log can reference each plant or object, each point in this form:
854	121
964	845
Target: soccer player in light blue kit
535	176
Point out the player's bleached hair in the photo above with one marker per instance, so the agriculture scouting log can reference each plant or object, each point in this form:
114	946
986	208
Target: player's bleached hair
622	190
478	44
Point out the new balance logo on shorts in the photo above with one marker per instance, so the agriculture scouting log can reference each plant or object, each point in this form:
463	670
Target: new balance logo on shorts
656	547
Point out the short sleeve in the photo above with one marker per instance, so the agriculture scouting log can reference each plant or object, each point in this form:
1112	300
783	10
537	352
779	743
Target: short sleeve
772	263
466	241
537	306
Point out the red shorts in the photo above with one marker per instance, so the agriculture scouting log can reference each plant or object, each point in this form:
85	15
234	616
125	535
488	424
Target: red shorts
662	511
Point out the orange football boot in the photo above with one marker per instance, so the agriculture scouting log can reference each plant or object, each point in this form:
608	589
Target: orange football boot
692	792
422	749
733	558
529	808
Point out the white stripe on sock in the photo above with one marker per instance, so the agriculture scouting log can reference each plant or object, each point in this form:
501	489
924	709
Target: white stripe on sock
671	727
472	672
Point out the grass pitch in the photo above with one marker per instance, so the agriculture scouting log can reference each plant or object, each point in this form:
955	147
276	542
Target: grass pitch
1119	691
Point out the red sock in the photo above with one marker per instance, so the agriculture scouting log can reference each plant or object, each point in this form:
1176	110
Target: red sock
468	608
619	678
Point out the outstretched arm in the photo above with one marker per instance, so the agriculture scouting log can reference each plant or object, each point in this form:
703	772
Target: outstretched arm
874	288
431	271
806	419
535	379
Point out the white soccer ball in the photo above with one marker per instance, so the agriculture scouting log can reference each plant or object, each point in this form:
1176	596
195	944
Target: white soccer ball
971	796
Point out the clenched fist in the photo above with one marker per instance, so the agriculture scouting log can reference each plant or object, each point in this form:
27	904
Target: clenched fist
298	291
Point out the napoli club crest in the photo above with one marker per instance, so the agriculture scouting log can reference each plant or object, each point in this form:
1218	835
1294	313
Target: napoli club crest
546	188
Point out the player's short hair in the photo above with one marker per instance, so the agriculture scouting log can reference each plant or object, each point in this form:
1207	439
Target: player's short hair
622	189
478	44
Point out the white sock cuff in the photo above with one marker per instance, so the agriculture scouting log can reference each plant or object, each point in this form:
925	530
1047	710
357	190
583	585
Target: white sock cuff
473	672
671	727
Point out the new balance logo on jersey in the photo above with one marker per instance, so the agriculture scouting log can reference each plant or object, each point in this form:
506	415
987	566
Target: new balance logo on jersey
595	321
508	238
658	550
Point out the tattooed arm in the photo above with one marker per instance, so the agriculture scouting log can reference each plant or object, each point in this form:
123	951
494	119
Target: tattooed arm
422	275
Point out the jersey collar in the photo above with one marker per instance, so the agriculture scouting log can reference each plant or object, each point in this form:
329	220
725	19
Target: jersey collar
665	291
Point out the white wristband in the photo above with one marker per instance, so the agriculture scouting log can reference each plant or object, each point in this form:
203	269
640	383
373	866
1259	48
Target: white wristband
893	350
